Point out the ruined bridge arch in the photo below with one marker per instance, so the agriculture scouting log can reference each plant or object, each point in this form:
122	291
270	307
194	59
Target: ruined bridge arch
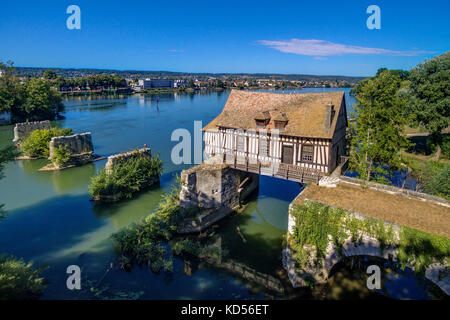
366	245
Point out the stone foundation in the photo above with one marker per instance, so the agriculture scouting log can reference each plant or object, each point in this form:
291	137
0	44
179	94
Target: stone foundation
114	159
216	190
366	246
24	129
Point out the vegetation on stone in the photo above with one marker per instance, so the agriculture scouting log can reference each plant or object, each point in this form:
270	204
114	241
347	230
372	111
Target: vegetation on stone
36	145
61	155
152	241
317	224
128	177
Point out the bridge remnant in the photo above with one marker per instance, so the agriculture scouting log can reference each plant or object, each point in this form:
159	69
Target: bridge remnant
214	188
79	145
381	239
24	129
116	158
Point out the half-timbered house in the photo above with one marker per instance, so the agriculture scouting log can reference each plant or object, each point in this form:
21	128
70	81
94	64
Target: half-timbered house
303	133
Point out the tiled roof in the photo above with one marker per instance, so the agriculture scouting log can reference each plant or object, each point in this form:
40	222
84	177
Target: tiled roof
306	113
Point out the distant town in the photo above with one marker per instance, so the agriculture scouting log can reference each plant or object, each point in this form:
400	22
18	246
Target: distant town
99	80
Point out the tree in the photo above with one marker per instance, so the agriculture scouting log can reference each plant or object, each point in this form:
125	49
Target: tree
11	91
377	132
49	75
41	102
429	92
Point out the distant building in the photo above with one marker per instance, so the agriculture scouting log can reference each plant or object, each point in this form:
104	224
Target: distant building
156	83
180	83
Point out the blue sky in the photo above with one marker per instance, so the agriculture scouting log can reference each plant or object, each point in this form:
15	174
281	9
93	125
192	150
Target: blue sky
308	37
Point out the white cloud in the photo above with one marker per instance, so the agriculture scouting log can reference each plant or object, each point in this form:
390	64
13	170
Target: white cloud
322	48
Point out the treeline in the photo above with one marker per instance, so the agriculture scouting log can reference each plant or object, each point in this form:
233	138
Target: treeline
131	74
31	99
93	82
392	100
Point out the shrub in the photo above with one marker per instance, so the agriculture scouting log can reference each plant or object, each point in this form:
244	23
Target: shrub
127	177
433	176
20	280
61	155
36	145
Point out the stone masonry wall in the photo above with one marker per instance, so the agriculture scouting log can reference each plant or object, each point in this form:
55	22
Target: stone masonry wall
367	246
114	159
78	144
23	130
210	186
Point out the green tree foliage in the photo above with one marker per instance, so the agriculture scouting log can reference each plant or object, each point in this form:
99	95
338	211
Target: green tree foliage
49	75
93	82
42	101
6	154
377	132
429	103
20	280
11	91
127	177
36	145
30	100
61	155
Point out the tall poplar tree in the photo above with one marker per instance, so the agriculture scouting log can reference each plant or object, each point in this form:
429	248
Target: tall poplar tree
377	127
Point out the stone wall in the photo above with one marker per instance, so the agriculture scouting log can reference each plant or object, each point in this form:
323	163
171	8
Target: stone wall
80	145
114	159
23	130
209	186
395	190
366	246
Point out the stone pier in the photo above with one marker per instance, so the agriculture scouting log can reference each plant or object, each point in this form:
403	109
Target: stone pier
24	129
114	159
80	147
215	190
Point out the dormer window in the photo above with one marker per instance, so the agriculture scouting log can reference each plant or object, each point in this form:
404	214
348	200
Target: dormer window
280	121
262	119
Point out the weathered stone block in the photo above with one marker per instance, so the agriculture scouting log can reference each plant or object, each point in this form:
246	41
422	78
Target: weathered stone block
114	159
78	144
24	129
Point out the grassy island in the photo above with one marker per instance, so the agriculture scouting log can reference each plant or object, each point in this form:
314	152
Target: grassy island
127	178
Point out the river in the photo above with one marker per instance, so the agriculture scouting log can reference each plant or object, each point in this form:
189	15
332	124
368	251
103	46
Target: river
51	221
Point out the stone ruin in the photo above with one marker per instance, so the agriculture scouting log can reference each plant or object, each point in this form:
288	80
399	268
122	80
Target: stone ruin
216	190
114	159
24	129
79	145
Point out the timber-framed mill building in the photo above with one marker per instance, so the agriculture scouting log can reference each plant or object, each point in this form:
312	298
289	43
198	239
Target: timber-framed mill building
303	134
